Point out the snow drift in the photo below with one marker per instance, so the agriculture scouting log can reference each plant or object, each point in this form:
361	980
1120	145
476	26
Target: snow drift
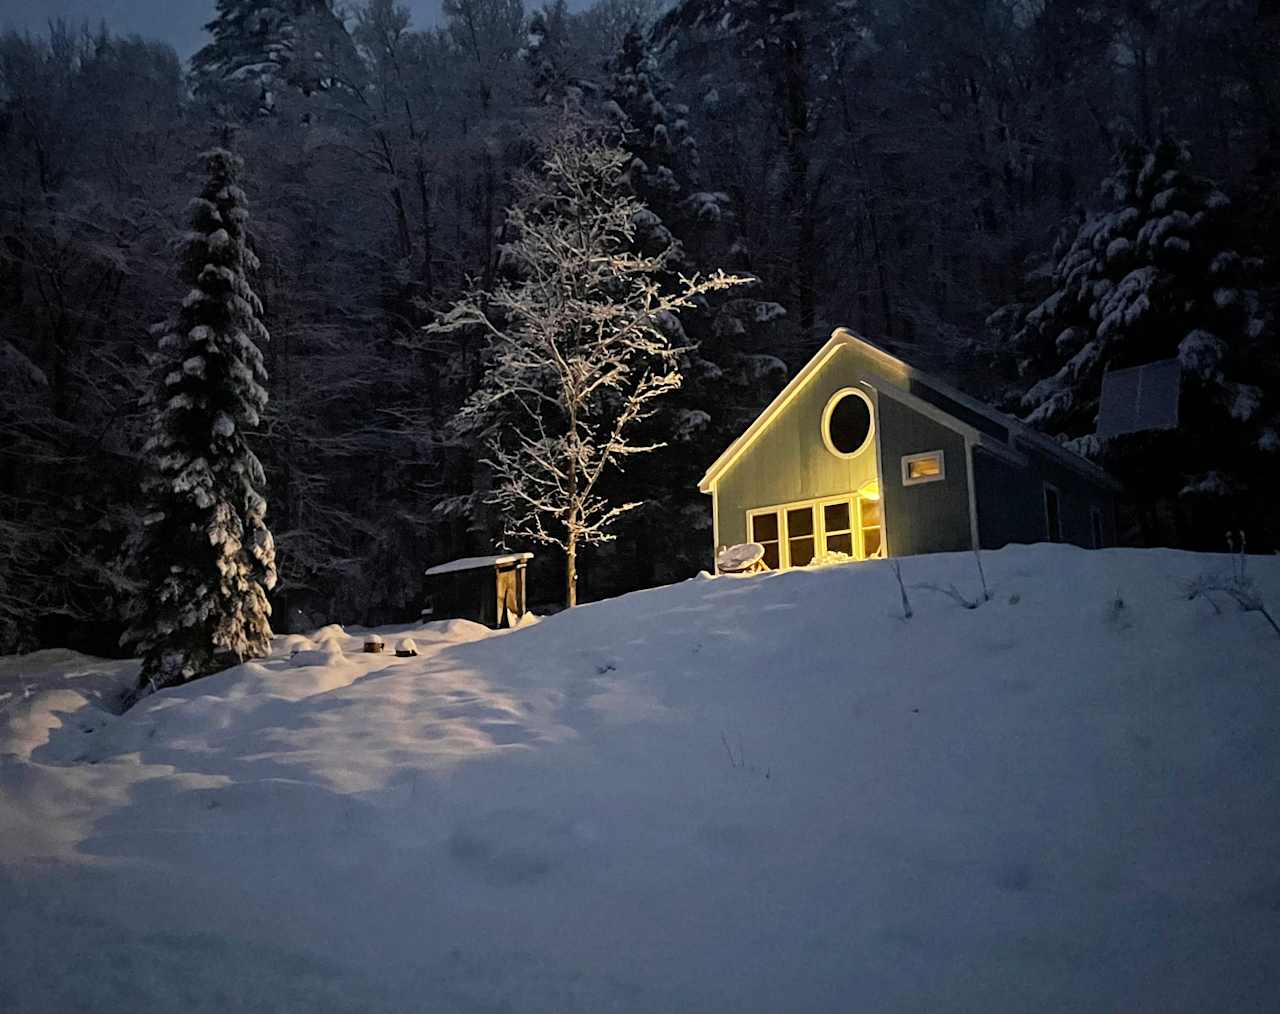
767	793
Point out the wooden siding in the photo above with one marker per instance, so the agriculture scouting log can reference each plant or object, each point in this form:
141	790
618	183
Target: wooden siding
1011	502
789	461
930	517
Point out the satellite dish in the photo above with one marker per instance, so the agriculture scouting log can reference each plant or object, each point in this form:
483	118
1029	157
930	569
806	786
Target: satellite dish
739	559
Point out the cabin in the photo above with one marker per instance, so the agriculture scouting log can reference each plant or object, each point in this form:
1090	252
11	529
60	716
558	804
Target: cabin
862	456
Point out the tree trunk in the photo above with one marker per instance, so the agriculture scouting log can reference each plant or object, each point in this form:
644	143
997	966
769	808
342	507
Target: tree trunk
1143	87
490	185
428	280
571	571
397	199
882	273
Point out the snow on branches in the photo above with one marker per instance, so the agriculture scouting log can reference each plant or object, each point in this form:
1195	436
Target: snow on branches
581	345
1154	277
205	559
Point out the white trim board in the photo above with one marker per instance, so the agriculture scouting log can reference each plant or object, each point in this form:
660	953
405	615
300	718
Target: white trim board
902	372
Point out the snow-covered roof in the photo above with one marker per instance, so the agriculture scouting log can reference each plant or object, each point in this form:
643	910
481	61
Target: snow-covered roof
476	562
1013	429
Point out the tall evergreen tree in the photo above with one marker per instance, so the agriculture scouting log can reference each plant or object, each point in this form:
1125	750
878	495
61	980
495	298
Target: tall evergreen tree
260	46
1157	277
205	559
797	53
689	225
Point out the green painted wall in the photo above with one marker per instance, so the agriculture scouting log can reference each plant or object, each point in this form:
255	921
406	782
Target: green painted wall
929	517
789	460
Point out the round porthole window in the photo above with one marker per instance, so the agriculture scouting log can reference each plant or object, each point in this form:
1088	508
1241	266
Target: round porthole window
847	422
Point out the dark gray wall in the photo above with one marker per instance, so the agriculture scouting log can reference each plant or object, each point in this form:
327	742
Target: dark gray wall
1011	502
931	517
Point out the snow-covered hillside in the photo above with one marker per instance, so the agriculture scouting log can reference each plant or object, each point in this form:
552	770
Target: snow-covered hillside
742	794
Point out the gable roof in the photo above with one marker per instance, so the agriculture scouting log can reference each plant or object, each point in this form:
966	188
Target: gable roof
1012	431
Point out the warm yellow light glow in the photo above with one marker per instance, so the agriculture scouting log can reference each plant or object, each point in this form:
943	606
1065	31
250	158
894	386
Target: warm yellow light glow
924	468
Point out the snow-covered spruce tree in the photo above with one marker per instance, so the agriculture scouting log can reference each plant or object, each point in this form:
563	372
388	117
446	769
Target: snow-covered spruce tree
579	346
792	56
1158	277
205	559
262	46
725	385
546	52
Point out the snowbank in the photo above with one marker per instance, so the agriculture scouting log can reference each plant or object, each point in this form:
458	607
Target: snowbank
734	794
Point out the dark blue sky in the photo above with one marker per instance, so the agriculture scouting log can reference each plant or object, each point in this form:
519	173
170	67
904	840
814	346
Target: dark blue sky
179	22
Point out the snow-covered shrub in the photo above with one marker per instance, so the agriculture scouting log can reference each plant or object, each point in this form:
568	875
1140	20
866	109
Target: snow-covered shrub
1236	584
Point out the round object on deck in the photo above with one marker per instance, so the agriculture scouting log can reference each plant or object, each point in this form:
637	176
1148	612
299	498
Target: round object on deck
406	648
373	644
739	558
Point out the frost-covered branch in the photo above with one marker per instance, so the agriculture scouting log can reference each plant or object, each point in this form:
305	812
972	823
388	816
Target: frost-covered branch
581	345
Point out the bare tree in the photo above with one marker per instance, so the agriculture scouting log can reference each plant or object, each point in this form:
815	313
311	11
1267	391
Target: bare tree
580	346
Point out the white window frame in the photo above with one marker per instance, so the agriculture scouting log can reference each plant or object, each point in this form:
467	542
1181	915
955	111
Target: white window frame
832	402
817	534
781	514
853	499
907	460
1048	486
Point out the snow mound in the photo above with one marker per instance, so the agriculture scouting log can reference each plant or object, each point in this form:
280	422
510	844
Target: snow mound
762	793
330	654
42	691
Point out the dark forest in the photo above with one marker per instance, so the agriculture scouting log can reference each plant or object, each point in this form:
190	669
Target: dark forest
1017	195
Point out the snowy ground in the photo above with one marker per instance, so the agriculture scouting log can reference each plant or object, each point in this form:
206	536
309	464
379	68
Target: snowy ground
742	794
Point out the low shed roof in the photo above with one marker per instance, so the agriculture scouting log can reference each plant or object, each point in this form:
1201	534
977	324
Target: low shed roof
477	562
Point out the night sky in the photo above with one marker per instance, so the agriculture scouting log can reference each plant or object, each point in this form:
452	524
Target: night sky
179	22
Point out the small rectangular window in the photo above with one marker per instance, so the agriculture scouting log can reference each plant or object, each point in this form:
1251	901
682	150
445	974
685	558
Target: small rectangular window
1099	532
927	467
1052	514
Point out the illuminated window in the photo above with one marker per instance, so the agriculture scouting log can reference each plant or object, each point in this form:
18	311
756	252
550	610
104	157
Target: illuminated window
872	540
794	535
848	423
919	468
